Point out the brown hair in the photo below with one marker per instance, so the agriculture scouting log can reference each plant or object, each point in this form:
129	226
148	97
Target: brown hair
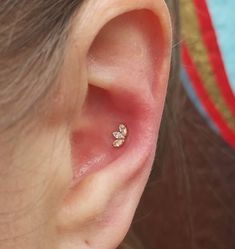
189	201
32	40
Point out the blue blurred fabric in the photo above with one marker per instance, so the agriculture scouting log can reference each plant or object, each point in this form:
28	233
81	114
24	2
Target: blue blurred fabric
223	16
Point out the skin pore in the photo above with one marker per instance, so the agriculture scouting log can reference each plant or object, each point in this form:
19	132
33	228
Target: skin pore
115	67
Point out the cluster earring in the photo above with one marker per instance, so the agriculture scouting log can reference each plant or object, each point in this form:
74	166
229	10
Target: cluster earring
120	136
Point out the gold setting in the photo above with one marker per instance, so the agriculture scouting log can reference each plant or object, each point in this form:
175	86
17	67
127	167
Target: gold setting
120	136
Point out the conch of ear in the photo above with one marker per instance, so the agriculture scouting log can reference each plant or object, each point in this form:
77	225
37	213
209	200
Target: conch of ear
124	57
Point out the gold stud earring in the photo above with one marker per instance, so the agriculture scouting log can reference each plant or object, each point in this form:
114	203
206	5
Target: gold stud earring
120	136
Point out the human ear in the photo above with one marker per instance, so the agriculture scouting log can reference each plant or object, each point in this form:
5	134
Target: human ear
124	51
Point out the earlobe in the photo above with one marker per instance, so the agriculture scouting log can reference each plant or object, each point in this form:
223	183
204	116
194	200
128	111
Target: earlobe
127	67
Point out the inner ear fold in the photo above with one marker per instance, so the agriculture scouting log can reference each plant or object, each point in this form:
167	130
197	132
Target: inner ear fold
125	66
128	51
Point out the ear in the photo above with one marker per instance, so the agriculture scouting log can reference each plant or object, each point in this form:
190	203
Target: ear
124	50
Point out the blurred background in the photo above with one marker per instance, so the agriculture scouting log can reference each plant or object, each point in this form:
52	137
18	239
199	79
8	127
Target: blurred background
189	202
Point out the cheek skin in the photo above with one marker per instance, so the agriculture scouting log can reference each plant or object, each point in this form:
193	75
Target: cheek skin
32	189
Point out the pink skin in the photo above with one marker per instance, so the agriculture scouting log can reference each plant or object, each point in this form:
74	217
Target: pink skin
115	70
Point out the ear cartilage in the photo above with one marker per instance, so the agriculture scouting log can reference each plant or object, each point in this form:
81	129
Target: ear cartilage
120	136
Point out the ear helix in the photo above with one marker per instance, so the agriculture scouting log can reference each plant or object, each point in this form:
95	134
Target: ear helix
120	136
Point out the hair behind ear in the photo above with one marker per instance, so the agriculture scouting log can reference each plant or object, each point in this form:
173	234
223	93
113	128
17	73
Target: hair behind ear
30	57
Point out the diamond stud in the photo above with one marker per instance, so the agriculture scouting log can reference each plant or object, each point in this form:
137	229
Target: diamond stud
120	136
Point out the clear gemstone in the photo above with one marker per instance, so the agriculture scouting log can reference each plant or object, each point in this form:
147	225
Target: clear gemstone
118	143
118	135
123	129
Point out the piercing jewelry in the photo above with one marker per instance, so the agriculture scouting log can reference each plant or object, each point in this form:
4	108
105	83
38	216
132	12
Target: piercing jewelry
120	136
